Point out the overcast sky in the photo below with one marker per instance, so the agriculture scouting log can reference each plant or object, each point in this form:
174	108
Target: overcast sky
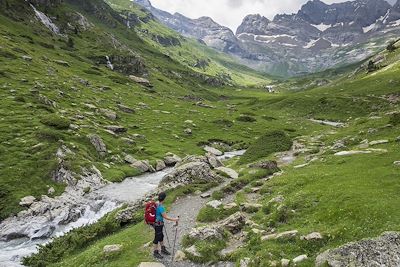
230	13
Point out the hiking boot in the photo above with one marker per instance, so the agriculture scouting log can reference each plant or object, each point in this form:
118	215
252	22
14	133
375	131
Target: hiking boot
157	255
165	251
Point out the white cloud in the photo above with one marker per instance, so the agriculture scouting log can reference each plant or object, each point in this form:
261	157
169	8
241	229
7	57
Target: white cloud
230	13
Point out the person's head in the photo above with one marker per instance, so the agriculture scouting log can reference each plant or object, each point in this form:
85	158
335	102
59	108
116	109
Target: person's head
162	196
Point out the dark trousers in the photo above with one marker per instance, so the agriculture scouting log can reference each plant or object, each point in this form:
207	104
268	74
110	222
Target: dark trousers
158	233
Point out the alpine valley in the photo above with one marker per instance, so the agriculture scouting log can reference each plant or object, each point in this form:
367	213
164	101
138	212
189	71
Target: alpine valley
318	37
276	146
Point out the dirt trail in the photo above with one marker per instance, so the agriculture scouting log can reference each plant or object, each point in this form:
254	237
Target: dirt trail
187	208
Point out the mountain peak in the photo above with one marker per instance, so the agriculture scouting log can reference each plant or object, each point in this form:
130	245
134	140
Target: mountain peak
254	23
144	3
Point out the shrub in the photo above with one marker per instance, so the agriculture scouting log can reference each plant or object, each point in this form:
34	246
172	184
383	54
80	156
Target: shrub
56	121
271	142
395	119
268	118
246	118
48	135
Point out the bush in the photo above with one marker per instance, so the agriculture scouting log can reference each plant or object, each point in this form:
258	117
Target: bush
268	118
246	118
395	119
56	121
271	142
48	135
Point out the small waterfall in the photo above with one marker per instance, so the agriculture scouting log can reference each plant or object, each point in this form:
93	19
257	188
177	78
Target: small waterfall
128	24
46	21
109	64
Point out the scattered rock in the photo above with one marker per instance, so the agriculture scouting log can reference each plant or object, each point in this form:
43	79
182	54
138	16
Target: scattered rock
396	163
193	251
116	129
229	172
378	142
151	264
214	161
206	233
285	262
62	63
230	206
111	115
179	256
98	144
312	236
271	165
112	249
141	81
287	234
250	207
27	201
126	109
27	58
299	259
143	166
171	159
234	223
189	173
130	159
188	131
381	251
214	204
244	262
205	195
352	152
213	151
160	165
51	191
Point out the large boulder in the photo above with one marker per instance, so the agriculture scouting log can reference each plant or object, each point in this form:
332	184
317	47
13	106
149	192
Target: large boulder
234	223
206	233
171	159
270	165
112	249
141	81
381	251
98	144
213	151
189	173
228	172
27	201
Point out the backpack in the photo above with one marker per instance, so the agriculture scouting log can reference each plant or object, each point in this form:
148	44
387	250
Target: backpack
150	212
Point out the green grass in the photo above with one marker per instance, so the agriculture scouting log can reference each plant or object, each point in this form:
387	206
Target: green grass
270	142
209	214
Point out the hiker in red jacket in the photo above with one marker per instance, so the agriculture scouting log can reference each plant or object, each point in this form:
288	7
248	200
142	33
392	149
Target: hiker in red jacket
158	227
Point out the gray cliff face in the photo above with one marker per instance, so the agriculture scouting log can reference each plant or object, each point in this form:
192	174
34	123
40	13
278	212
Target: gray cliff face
204	28
317	37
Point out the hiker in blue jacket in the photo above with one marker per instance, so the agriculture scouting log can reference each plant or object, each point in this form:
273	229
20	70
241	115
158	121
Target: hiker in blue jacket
158	227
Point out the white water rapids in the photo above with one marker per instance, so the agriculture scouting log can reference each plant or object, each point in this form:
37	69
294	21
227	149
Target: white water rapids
108	198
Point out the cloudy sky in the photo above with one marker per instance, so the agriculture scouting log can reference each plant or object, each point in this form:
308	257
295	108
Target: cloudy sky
231	12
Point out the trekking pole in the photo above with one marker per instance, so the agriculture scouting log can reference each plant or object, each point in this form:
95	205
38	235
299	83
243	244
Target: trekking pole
166	235
176	233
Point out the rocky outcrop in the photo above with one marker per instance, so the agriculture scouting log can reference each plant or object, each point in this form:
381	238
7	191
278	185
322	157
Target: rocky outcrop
43	216
189	173
381	251
112	249
233	224
98	144
141	81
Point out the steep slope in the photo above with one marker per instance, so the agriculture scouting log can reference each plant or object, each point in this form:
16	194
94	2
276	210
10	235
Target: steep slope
81	68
